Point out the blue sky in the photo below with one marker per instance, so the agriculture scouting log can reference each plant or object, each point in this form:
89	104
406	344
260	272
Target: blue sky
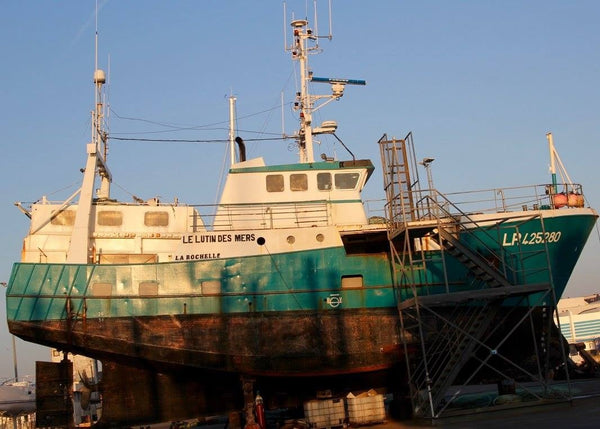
479	83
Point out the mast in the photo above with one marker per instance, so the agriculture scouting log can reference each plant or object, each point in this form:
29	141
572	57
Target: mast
306	102
232	129
99	134
79	250
552	161
300	53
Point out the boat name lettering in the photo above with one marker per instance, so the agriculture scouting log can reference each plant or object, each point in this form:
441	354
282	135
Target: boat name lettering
245	237
530	238
197	256
217	238
213	238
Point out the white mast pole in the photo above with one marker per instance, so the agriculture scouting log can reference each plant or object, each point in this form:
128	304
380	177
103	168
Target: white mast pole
300	52
232	128
99	136
552	161
79	250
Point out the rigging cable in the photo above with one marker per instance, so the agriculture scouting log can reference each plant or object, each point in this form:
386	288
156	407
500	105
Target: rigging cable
175	127
193	140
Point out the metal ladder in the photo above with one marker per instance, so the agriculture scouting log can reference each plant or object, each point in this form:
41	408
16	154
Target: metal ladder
400	206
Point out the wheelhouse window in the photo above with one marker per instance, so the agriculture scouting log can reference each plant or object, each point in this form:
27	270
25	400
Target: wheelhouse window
346	180
298	182
64	218
110	218
275	183
324	181
156	219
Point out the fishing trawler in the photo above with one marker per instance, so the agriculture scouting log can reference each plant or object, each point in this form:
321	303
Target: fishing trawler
289	283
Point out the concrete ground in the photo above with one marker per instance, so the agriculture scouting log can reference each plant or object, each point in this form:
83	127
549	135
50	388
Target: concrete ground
583	411
580	413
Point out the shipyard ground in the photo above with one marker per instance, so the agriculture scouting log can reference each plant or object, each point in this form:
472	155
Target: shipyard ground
579	413
583	411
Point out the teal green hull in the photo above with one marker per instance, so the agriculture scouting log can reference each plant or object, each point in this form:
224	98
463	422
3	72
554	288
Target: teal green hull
301	281
527	259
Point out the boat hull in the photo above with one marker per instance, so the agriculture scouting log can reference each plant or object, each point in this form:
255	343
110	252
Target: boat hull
176	367
150	373
270	344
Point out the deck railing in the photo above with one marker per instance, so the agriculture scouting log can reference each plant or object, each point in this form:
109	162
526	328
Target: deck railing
493	200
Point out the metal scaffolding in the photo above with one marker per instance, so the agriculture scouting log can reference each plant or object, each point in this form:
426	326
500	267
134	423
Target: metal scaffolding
477	331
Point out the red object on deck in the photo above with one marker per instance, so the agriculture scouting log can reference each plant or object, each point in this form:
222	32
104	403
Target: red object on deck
259	409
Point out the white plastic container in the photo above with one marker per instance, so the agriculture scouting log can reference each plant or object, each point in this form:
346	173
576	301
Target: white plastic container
365	409
324	413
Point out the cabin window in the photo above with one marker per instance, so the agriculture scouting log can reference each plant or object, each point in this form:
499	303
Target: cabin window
346	180
352	282
149	288
298	182
156	218
274	183
64	218
324	181
110	218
